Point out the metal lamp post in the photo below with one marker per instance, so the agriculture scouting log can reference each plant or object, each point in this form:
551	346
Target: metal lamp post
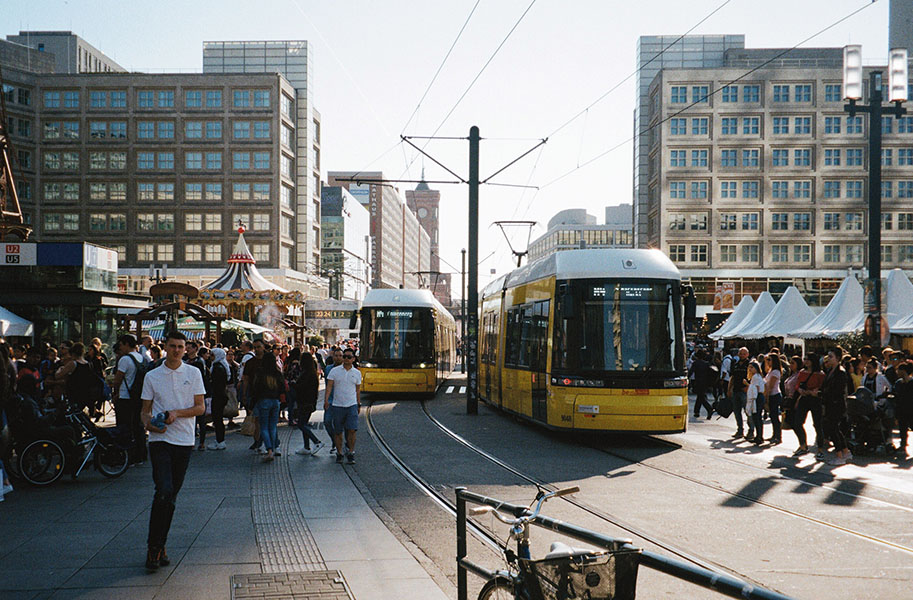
852	91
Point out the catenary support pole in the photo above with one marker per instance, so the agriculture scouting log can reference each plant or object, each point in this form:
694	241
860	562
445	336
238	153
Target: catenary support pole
472	300
463	315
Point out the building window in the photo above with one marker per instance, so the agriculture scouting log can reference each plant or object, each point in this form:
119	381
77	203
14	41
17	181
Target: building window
676	222
831	221
145	252
904	189
71	130
854	125
833	92
193	222
887	221
51	160
831	253
779	221
241	98
802	93
781	125
240	192
52	100
699	253
98	99
164	252
145	130
803	125
193	130
728	253
241	130
727	222
213	253
166	130
145	222
751	125
750	189
193	99
261	130
699	126
678	94
831	125
287	170
145	191
802	253
285	104
213	98
214	130
698	158
750	253
145	99
751	93
193	252
728	189
117	129
905	221
213	161
729	158
780	158
729	126
678	126
831	189
193	160
166	99
164	222
117	222
905	253
887	254
699	222
285	195
730	93
261	222
779	189
853	222
193	191
97	160
260	252
145	160
51	222
240	160
802	222
677	252
854	253
854	189
287	135
750	157
213	222
699	93
887	157
779	253
698	190
802	157
261	192
853	157
166	160
781	93
262	160
261	98
71	99
750	222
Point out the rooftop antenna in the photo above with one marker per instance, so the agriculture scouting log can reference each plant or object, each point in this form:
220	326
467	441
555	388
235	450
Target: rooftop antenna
529	224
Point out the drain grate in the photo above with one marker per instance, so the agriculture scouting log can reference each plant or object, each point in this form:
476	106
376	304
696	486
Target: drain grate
309	585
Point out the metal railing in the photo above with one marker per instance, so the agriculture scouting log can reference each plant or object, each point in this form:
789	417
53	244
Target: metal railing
721	583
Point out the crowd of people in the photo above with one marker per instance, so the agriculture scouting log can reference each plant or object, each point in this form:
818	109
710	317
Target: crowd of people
267	383
862	401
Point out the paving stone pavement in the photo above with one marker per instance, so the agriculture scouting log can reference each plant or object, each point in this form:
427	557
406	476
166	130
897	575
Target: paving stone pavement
315	585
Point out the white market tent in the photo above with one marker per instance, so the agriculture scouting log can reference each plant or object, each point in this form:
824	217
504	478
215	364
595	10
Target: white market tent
735	317
789	313
13	325
899	298
839	316
762	307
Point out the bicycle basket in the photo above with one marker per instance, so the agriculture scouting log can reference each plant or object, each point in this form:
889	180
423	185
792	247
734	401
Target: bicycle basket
594	576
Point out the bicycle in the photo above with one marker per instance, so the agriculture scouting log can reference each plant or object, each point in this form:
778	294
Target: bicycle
565	573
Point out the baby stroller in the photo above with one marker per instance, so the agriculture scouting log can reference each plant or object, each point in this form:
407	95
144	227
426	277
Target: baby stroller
867	417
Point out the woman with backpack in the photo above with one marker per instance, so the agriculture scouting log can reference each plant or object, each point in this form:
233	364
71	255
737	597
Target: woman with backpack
306	393
220	375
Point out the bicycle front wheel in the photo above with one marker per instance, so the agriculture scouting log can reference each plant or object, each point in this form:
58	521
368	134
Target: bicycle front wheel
500	589
111	461
42	462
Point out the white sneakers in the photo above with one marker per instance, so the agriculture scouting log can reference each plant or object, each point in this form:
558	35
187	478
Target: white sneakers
317	448
309	451
216	446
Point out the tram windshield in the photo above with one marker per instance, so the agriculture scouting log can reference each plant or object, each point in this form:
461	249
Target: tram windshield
397	335
618	326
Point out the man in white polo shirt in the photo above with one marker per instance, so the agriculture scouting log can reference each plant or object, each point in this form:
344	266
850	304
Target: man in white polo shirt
175	389
344	387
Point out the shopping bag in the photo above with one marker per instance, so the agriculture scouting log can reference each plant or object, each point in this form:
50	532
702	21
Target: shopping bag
248	427
232	408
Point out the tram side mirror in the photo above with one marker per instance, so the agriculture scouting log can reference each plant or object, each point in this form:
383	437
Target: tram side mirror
565	302
690	302
353	320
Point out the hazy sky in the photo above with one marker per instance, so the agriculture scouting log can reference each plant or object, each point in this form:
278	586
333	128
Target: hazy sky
374	60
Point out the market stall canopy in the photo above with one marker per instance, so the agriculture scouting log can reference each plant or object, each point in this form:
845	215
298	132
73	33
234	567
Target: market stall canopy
196	329
735	317
790	313
242	273
841	313
13	325
762	307
899	298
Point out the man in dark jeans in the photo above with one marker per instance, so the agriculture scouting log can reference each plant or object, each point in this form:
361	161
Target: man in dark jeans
175	389
738	385
700	370
833	396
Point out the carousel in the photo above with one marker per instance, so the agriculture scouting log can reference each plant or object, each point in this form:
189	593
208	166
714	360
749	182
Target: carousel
242	293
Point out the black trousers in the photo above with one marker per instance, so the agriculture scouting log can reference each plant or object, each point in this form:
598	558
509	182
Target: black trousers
700	393
805	405
127	415
834	415
169	465
218	416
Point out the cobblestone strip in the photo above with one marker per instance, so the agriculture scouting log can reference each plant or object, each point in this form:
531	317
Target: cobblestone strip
293	567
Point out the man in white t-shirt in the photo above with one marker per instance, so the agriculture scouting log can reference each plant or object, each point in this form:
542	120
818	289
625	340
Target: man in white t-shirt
344	387
127	408
175	389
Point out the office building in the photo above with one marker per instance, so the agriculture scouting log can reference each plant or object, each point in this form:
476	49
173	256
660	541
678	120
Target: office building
400	246
656	52
71	53
425	203
763	182
574	228
346	230
162	168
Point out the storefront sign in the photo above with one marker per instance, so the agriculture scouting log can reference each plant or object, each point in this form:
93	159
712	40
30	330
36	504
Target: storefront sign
19	254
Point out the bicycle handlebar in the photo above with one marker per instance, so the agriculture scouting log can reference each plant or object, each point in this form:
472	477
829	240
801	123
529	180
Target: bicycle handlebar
481	510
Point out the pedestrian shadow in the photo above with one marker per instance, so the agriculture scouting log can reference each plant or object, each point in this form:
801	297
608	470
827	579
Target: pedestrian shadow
735	446
818	474
750	493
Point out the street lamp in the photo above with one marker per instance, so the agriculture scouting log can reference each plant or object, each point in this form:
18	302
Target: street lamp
158	274
852	86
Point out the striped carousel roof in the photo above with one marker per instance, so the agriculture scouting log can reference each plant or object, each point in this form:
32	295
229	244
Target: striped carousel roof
242	273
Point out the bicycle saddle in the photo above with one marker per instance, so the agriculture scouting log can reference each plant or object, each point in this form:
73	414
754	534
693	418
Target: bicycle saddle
560	550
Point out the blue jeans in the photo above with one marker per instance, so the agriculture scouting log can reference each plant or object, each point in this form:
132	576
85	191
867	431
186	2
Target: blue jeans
738	405
268	414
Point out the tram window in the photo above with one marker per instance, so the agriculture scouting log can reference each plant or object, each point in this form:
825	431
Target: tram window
514	337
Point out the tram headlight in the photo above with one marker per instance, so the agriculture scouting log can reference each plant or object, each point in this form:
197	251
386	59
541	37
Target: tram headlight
577	382
421	366
367	364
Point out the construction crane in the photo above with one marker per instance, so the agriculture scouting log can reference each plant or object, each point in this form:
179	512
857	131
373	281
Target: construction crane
12	225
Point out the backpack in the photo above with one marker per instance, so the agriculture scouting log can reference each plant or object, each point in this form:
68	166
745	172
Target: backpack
136	388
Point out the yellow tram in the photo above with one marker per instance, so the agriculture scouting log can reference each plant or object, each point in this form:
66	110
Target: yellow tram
408	342
587	340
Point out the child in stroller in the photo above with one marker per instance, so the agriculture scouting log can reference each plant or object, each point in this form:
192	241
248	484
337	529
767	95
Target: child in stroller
869	419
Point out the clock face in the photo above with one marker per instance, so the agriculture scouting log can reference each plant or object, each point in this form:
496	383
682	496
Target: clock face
422	212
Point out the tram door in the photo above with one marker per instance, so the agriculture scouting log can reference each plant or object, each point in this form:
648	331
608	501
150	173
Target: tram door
538	360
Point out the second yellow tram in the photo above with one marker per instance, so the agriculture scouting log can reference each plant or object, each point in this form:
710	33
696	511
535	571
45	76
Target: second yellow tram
587	340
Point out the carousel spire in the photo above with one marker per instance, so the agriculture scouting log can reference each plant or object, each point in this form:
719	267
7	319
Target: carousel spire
241	253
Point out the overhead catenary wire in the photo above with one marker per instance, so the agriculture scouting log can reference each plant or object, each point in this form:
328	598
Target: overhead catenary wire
650	128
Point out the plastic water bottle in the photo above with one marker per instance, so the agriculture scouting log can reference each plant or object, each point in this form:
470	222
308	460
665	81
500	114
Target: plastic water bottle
158	421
